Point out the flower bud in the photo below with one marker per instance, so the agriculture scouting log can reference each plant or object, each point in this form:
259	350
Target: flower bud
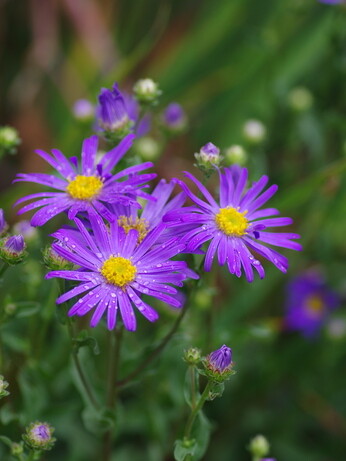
236	155
3	387
12	249
113	117
300	99
83	110
254	131
3	223
259	446
208	158
192	355
55	262
174	118
9	140
146	91
147	148
38	436
218	364
17	449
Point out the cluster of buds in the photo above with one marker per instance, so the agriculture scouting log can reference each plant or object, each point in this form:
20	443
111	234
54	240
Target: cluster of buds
39	436
146	91
3	387
12	249
218	365
9	140
208	158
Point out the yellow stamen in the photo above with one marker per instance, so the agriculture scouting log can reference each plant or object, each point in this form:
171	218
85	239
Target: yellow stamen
231	221
84	187
315	304
128	223
118	270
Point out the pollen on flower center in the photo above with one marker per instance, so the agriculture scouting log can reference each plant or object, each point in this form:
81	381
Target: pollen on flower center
231	221
315	304
118	270
84	187
140	225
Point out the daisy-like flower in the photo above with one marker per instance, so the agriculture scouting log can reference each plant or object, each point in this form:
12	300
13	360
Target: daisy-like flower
115	271
309	303
152	212
86	186
235	227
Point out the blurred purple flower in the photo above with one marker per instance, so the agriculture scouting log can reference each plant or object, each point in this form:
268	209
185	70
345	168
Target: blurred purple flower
83	110
3	223
174	116
309	303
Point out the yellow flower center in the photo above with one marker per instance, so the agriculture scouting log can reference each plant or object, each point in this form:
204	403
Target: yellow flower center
128	223
315	304
118	270
231	221
84	187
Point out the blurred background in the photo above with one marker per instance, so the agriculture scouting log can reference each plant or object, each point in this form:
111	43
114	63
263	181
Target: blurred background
282	63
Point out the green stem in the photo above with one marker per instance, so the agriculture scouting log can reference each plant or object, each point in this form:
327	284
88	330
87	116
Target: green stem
4	269
195	411
115	341
79	368
193	386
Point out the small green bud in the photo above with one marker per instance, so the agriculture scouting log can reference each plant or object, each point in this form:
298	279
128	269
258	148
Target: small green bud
259	446
38	436
208	158
300	99
147	148
236	155
146	91
3	387
9	140
17	449
55	262
192	355
254	131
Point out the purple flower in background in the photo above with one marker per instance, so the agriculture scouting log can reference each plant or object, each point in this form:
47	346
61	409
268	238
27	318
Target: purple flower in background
153	211
221	359
14	244
85	187
83	110
174	116
236	225
25	229
115	271
309	303
143	125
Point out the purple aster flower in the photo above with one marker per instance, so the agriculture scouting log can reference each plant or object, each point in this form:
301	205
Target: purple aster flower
152	213
115	271
236	225
221	359
309	303
3	223
83	110
39	436
88	186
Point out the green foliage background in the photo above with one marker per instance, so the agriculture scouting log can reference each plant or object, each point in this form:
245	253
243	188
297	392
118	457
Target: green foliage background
225	61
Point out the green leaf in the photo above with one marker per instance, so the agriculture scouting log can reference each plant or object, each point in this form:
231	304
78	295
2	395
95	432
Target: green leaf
184	448
84	339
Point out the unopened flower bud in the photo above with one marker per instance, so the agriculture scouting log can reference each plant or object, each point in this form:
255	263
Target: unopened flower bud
300	99
147	148
174	118
259	446
113	116
146	91
3	387
236	155
3	223
208	158
12	249
254	131
38	436
9	140
192	355
55	262
218	364
17	449
83	110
